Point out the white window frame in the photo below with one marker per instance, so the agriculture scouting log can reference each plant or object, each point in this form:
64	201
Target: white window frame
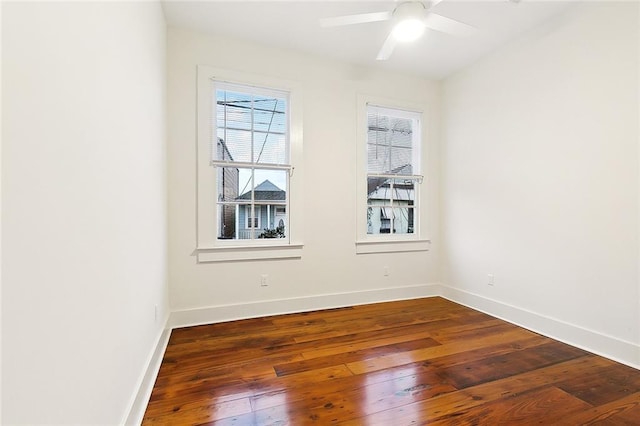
392	242
208	247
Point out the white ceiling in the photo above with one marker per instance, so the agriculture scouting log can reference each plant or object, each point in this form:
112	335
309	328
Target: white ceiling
294	25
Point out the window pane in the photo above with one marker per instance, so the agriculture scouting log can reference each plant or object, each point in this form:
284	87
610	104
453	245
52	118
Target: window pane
378	191
389	143
270	126
228	180
378	158
233	124
269	148
390	206
401	130
245	184
269	114
270	186
403	220
271	197
233	110
236	145
403	192
247	222
261	202
275	225
373	221
227	221
379	219
400	161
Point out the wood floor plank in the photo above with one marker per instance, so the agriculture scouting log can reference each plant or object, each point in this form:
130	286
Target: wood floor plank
466	357
604	385
179	407
357	343
624	411
505	365
343	397
346	357
203	413
366	366
523	409
398	363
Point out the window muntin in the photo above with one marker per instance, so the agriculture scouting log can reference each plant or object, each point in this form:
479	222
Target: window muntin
392	166
251	155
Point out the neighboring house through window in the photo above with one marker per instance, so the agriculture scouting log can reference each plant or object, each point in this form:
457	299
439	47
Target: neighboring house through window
264	217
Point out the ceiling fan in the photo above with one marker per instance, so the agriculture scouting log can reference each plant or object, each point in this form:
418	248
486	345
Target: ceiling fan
410	19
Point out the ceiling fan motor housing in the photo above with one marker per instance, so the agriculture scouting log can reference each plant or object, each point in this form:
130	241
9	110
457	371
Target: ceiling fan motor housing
409	10
408	21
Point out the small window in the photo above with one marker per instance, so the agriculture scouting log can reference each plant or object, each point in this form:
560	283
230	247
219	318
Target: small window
390	213
253	222
392	170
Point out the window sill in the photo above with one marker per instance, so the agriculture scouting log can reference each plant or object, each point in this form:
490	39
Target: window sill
248	252
397	246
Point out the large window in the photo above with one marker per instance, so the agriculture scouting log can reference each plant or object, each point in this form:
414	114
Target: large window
249	138
252	157
391	177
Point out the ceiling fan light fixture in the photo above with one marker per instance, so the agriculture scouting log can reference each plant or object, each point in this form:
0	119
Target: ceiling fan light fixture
409	21
409	29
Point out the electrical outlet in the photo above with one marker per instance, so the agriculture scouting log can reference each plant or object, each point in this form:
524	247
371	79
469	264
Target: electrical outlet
264	280
490	279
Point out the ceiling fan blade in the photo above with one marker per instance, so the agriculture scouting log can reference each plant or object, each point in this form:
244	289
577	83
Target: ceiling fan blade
433	3
362	18
448	25
387	48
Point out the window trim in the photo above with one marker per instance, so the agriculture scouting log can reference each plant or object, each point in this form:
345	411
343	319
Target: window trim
208	247
387	243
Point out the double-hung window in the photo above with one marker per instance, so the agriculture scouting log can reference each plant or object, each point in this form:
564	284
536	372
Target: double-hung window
251	155
391	179
245	168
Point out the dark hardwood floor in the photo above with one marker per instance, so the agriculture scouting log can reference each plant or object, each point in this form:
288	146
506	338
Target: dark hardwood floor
424	361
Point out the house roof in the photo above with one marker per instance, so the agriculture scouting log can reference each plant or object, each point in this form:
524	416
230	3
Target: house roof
384	193
374	183
266	191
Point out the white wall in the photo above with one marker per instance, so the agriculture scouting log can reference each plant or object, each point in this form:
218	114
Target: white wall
84	207
329	264
540	180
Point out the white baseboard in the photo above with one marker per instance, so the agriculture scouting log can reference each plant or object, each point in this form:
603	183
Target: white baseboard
607	346
221	313
142	396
